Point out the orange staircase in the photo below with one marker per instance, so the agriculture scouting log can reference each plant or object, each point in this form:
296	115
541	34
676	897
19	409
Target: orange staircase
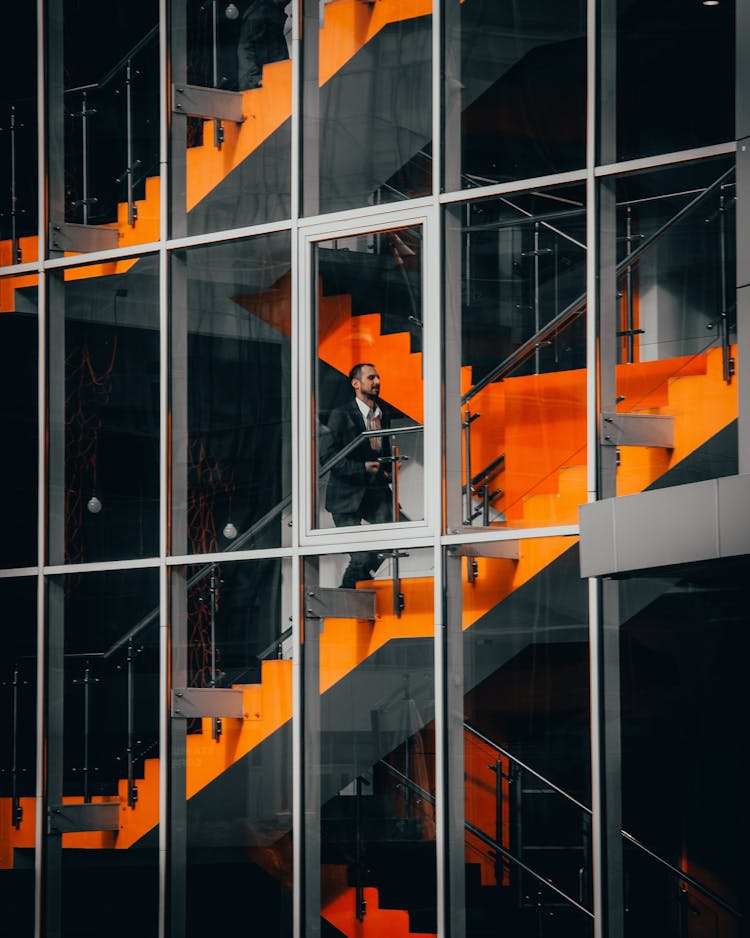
692	389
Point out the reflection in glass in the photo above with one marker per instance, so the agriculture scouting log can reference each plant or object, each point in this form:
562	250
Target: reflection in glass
111	103
109	355
665	103
677	346
521	90
369	108
18	678
18	147
110	746
238	393
238	770
369	378
523	356
526	743
238	171
684	640
18	407
373	750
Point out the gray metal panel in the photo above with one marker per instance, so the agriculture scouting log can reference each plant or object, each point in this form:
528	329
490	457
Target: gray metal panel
66	236
598	545
676	525
734	515
190	702
69	818
503	550
196	101
327	603
665	527
637	430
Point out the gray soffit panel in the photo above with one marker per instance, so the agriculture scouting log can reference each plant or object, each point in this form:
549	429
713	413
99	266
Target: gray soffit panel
662	528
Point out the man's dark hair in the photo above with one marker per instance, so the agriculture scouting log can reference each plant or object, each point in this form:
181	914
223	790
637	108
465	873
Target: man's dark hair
356	372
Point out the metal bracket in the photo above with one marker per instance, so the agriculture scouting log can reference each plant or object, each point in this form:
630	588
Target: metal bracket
210	103
191	702
65	236
637	430
327	603
72	818
502	550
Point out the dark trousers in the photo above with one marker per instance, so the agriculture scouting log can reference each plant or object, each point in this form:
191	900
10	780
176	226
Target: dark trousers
376	508
261	41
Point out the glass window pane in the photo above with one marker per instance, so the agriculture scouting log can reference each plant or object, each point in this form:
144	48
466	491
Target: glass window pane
238	776
523	356
368	376
677	348
111	118
104	440
516	75
368	110
18	728
236	170
370	750
18	138
684	644
232	484
110	747
665	103
526	740
18	407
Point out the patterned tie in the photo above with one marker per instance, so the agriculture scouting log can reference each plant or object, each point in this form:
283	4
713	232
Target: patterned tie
373	423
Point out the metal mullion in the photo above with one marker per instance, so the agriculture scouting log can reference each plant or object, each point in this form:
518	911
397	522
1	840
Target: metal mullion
184	560
41	658
164	479
99	566
16	572
298	776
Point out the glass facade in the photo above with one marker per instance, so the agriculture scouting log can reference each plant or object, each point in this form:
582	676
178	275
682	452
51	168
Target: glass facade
329	332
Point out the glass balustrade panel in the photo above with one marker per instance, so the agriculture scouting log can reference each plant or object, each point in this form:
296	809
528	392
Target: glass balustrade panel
684	641
367	103
103	340
520	358
522	622
103	739
515	86
368	377
676	327
19	298
18	139
18	692
103	97
369	747
663	103
231	404
232	137
234	643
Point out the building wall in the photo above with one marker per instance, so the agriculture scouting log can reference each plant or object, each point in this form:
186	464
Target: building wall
257	678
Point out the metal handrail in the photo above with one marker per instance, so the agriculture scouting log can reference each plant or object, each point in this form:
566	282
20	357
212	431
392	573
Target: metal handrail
364	435
489	841
578	306
527	768
200	574
676	871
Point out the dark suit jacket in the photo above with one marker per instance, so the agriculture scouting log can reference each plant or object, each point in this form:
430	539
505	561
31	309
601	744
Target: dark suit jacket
348	481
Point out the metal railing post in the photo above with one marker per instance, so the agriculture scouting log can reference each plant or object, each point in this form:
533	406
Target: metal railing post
132	208
16	810
132	790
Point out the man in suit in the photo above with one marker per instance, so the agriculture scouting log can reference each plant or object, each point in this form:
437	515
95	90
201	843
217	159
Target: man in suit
359	484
